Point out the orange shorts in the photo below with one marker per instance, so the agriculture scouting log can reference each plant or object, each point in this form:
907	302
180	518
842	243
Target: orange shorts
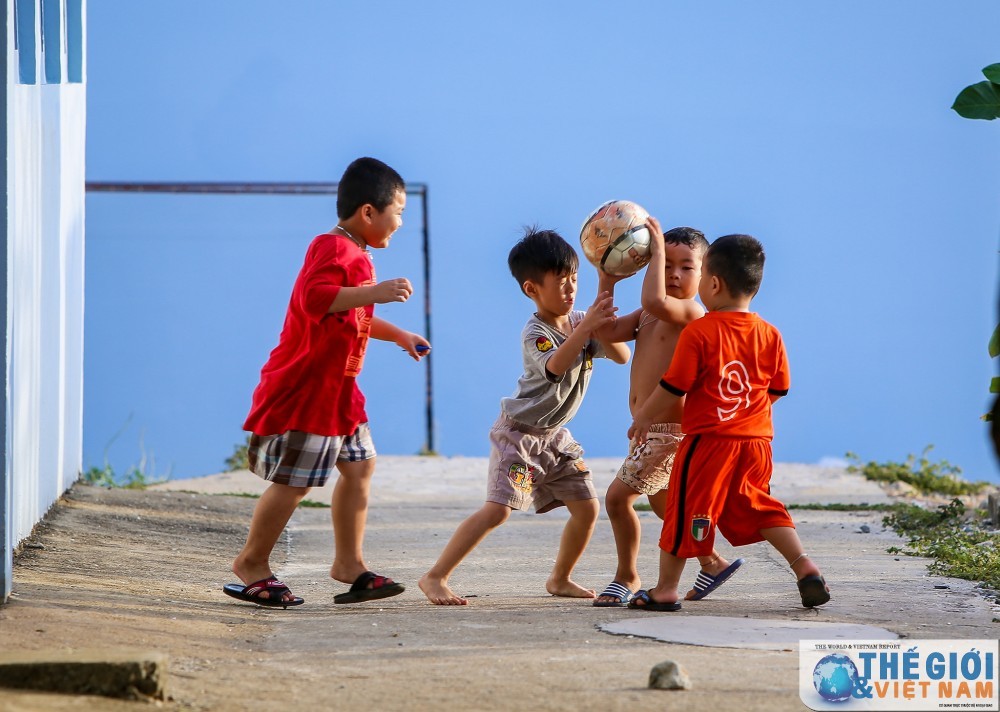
719	483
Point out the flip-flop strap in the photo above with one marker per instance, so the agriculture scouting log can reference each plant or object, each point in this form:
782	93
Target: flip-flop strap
271	585
376	581
703	581
616	590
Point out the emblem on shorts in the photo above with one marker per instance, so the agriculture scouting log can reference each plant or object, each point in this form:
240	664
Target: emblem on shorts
700	526
521	477
543	344
581	466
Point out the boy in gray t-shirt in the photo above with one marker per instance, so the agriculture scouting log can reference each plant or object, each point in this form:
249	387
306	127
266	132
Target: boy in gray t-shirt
533	457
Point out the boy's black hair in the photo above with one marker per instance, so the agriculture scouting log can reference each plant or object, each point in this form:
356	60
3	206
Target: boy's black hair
739	261
695	239
540	252
367	180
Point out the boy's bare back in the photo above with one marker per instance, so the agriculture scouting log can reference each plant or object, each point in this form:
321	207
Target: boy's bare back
654	347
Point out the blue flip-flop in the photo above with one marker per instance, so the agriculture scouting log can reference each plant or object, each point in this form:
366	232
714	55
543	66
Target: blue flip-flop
706	583
615	590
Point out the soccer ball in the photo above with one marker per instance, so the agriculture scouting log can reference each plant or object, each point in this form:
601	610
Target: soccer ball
615	239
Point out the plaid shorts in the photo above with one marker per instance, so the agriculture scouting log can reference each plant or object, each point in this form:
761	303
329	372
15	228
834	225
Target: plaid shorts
302	459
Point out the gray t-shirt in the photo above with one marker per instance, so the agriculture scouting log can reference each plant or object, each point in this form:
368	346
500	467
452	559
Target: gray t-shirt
541	400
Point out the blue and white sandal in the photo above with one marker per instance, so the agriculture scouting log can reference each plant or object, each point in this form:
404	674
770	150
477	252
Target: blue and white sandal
706	583
617	591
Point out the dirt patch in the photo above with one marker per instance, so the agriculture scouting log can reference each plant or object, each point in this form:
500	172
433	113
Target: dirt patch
133	570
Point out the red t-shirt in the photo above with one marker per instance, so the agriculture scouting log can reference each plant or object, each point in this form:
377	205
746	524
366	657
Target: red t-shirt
727	363
308	382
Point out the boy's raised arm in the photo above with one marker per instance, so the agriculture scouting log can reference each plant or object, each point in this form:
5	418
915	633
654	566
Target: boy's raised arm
655	299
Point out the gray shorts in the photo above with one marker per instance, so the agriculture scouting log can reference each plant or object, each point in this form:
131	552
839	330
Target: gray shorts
647	468
540	466
302	459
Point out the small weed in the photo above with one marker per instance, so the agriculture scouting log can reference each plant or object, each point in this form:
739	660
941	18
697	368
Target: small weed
842	507
238	460
926	476
138	476
958	541
311	503
134	478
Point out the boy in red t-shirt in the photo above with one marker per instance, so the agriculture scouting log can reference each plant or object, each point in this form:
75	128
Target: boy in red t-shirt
731	365
308	414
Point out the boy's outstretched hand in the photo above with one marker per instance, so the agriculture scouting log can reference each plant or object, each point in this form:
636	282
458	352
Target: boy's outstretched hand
600	314
392	290
655	233
414	344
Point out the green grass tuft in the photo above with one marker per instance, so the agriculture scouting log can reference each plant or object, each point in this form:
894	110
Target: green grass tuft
960	542
926	476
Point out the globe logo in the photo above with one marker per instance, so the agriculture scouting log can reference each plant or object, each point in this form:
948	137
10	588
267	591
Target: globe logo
834	677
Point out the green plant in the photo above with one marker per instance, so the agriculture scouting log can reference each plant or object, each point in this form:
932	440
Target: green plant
957	541
982	101
844	507
136	476
926	476
238	460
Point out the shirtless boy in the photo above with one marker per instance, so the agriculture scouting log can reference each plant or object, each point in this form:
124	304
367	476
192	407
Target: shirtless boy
668	304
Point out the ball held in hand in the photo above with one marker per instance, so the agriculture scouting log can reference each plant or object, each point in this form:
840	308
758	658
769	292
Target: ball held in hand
615	238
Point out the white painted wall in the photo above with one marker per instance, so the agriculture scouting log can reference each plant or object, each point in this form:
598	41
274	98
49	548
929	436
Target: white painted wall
45	287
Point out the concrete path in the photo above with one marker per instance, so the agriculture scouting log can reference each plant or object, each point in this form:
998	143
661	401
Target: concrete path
524	649
144	570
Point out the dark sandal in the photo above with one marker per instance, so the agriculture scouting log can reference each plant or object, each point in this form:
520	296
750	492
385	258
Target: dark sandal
381	587
251	593
813	591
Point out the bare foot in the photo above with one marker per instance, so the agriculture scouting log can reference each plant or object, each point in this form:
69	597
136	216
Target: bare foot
249	574
438	592
569	588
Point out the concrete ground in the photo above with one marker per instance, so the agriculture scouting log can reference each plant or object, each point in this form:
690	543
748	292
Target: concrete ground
143	571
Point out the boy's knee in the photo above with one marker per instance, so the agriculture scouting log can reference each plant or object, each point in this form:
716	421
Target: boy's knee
617	503
494	514
585	510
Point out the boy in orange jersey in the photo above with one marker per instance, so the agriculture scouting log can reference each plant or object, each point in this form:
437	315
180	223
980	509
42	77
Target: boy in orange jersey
669	288
731	366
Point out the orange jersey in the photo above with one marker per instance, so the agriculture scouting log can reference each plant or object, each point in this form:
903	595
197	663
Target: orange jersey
728	364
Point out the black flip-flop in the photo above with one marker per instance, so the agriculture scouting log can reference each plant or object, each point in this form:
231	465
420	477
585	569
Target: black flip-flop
650	605
813	591
251	593
382	587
